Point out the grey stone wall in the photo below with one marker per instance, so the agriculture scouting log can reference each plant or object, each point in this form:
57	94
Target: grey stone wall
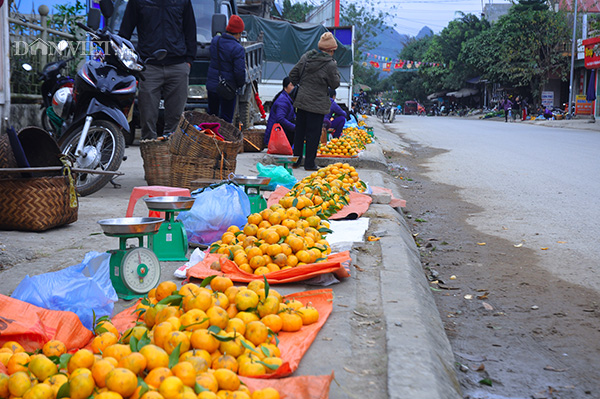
23	115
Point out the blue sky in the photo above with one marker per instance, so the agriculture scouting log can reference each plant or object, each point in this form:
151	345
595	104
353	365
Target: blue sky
409	16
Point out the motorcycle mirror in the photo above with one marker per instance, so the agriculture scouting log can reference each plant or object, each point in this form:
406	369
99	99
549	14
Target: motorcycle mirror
159	54
93	19
218	24
27	67
107	8
62	45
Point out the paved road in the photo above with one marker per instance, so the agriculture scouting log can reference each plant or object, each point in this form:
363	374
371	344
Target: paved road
537	185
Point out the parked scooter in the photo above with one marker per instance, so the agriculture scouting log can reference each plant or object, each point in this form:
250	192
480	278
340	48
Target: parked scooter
53	80
102	99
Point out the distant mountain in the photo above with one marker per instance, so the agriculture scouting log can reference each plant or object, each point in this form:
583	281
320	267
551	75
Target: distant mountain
390	43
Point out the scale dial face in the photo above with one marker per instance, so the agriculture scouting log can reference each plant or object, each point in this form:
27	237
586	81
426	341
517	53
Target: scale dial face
140	270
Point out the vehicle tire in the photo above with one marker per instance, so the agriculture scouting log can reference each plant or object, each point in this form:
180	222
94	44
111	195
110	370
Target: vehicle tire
109	157
245	115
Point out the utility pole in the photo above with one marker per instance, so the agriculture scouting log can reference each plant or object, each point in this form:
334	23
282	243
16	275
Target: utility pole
573	51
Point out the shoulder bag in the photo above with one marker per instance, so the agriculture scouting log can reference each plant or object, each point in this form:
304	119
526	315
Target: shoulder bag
294	91
224	89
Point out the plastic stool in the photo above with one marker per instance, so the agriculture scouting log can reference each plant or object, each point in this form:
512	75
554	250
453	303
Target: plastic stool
153	191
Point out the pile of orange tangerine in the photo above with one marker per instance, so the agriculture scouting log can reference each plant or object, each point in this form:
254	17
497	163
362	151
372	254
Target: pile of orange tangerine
352	141
277	238
192	344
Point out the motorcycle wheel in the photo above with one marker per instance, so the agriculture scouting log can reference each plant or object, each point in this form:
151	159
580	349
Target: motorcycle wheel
105	146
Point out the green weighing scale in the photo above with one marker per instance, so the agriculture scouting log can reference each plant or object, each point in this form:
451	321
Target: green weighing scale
286	161
170	243
252	186
133	271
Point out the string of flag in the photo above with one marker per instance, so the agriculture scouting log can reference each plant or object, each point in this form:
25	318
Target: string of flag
387	64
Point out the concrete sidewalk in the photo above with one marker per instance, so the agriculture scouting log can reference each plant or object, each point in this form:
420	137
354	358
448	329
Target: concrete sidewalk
417	354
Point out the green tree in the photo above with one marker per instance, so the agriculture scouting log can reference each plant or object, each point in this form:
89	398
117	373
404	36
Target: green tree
368	21
522	49
293	12
446	48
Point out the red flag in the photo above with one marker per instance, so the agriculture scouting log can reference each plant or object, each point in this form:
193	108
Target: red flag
374	64
387	66
399	65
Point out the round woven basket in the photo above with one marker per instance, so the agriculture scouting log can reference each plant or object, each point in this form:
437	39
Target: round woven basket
157	162
186	169
254	140
187	140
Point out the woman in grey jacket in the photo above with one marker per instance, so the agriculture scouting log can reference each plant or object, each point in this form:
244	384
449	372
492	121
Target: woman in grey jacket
315	72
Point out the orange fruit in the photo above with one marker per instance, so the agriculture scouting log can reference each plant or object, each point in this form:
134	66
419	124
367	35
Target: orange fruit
122	381
273	322
247	317
100	370
83	358
18	383
203	339
257	261
308	314
227	379
135	362
17	362
117	351
221	283
291	321
200	364
42	367
274	362
208	381
225	361
265	393
81	386
109	395
251	369
256	332
174	339
39	391
157	375
166	313
103	340
261	271
106	326
55	382
14	346
246	299
165	289
155	356
152	395
54	348
218	317
194	319
186	372
171	388
236	324
201	300
234	347
220	299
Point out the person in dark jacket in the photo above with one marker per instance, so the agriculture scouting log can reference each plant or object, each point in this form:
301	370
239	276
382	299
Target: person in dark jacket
162	25
228	60
282	112
506	106
316	72
336	118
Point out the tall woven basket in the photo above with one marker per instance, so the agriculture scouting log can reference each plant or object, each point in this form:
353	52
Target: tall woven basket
254	140
157	162
37	203
184	169
187	140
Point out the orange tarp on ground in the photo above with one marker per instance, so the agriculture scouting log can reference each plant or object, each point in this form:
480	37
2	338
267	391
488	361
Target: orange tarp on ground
32	326
359	203
293	345
338	263
303	387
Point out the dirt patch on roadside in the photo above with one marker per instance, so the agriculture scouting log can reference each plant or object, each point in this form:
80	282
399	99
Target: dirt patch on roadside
516	331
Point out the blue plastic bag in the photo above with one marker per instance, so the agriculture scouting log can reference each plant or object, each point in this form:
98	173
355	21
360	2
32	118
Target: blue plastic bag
214	210
278	174
83	289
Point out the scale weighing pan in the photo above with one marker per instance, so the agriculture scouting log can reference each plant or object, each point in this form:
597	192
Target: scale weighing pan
250	180
129	226
169	203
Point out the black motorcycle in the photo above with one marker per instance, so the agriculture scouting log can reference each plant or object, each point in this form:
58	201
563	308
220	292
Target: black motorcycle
103	96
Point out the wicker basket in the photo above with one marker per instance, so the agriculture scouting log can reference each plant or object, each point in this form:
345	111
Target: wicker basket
157	162
187	140
36	204
7	157
186	169
254	140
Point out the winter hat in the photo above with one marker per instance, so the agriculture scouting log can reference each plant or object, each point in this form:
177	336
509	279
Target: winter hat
235	25
327	42
286	81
